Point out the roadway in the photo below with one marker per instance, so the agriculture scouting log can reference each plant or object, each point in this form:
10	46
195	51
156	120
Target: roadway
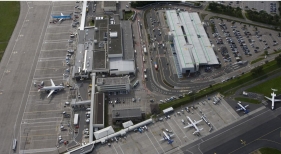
17	65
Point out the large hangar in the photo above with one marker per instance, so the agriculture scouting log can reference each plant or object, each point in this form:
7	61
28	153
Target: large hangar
190	41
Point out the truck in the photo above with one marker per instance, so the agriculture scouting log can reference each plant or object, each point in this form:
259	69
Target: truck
144	50
76	119
155	66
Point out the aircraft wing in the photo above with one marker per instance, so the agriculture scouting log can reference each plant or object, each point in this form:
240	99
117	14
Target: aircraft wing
239	109
61	14
188	126
52	83
246	106
172	135
197	122
277	100
50	93
267	98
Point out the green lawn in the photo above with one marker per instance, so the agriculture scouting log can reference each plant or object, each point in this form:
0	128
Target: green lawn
248	100
9	13
128	14
265	88
269	151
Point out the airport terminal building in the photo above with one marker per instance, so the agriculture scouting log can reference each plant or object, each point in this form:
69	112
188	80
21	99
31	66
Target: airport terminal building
190	42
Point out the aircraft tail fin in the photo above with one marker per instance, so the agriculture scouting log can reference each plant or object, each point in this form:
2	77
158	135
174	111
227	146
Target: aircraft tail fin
39	87
246	111
170	141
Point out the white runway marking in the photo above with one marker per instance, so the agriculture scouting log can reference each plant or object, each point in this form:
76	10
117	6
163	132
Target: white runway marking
37	150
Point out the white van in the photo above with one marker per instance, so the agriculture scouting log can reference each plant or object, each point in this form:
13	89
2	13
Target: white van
143	59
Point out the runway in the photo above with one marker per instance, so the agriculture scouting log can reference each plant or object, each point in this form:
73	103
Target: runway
261	129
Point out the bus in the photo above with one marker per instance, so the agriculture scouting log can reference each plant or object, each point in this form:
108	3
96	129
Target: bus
76	119
14	144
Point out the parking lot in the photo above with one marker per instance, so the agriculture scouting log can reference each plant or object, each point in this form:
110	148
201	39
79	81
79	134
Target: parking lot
218	116
271	7
236	42
43	121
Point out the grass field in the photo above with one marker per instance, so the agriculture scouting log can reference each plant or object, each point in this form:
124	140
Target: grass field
269	151
248	100
265	88
9	14
128	14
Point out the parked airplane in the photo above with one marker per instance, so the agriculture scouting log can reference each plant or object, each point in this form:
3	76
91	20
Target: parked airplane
272	99
167	137
193	124
62	17
241	107
53	88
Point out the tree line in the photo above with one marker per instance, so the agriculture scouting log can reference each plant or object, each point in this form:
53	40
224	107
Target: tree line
225	9
263	17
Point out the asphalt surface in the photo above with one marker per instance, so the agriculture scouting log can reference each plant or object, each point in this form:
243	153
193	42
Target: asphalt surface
254	131
16	67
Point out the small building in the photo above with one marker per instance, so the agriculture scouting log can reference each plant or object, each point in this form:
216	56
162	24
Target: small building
168	110
127	124
104	132
108	6
113	84
121	115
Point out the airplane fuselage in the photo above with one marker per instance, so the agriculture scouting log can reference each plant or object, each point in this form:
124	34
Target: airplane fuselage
242	106
272	100
52	88
193	124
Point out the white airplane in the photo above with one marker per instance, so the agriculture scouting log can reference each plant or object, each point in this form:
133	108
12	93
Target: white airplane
272	99
193	124
241	107
167	137
51	88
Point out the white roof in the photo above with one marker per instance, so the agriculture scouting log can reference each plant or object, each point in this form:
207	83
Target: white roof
113	34
192	38
82	24
168	110
117	64
127	124
185	57
103	132
204	40
197	48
